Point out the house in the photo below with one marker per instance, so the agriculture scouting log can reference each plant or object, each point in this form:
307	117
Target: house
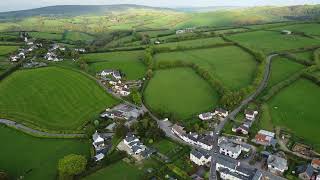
230	169
241	129
116	75
30	43
206	142
264	137
123	111
220	112
124	92
135	148
98	157
130	138
51	56
98	142
307	172
315	163
200	157
112	114
14	58
81	50
106	72
206	116
178	130
276	164
229	148
22	55
286	32
251	115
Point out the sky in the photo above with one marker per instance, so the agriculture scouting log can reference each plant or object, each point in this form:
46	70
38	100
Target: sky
11	5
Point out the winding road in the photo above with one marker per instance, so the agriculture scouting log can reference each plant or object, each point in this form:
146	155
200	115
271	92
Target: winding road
232	115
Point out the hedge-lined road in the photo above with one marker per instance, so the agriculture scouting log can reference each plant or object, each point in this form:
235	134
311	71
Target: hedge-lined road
233	114
37	132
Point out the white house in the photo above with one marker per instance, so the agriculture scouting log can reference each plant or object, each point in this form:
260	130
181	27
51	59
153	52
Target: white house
200	157
220	112
106	72
229	149
251	115
277	165
206	116
124	93
98	141
14	58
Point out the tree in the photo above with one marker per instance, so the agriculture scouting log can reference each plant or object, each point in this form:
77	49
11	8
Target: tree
136	97
121	129
71	165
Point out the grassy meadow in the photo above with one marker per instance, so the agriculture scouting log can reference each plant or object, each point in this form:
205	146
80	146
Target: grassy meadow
46	35
233	66
295	109
5	50
270	41
307	55
308	28
128	62
281	69
179	91
52	98
78	36
35	158
194	43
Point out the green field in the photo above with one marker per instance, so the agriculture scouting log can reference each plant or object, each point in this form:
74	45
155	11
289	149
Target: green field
311	29
194	43
295	108
5	50
117	171
165	146
307	55
128	62
35	158
281	69
233	66
270	41
4	64
78	36
52	98
46	35
179	91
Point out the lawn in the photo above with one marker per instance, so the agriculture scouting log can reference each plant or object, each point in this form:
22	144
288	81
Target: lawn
296	109
5	50
52	98
46	35
128	62
117	171
270	41
165	146
233	66
35	158
281	69
311	29
179	91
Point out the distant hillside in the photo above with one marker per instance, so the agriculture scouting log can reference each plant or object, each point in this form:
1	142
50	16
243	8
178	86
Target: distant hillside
207	9
70	10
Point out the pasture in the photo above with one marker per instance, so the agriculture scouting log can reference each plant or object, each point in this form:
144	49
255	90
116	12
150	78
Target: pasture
194	43
5	50
233	66
128	62
46	35
307	55
281	69
35	158
310	29
120	170
295	108
77	36
52	98
270	41
181	92
4	64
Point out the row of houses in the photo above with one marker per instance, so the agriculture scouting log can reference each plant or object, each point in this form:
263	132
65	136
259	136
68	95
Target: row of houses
123	111
218	112
202	141
52	55
101	143
22	53
250	117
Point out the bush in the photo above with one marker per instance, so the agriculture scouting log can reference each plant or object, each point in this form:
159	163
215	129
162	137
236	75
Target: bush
71	165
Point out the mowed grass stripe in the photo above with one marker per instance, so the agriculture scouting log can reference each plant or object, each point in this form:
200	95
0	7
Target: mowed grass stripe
179	91
52	98
35	158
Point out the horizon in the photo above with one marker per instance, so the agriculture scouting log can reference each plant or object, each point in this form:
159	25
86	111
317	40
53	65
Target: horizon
16	5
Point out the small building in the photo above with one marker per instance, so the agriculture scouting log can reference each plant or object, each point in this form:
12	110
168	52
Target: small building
206	116
80	50
14	58
307	172
286	32
221	112
229	148
106	72
241	129
98	141
200	158
250	114
98	157
276	164
157	42
315	163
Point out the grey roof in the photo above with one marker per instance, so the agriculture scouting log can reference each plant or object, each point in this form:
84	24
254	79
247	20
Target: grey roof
130	138
234	174
221	110
309	170
276	161
135	148
233	164
116	73
234	148
200	153
208	140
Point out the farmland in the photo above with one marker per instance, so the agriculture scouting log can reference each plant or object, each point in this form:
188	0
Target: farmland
295	109
35	158
46	35
179	91
5	50
77	36
270	41
311	29
128	62
307	55
282	69
233	66
52	98
195	43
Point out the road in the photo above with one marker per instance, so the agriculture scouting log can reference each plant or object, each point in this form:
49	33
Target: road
37	132
232	115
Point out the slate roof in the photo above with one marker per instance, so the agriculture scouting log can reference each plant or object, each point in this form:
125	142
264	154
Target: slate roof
276	161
